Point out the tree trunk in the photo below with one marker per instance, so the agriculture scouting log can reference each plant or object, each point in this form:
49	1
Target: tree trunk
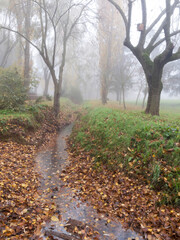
45	93
46	81
137	99
104	90
120	96
155	87
123	95
27	67
144	98
117	96
56	105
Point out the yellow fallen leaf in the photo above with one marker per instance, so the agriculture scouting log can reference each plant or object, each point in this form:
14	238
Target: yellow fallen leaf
24	185
24	211
54	219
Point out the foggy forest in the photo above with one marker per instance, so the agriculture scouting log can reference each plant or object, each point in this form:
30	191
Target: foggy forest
90	119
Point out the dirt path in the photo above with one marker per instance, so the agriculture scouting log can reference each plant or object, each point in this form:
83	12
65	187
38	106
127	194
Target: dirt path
73	219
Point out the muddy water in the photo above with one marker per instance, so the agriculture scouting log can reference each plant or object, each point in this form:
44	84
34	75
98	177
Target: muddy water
51	163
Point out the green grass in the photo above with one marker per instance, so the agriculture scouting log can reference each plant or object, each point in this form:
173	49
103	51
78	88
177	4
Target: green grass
26	111
140	144
168	108
17	124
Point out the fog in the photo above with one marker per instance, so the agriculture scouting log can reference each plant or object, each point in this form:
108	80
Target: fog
80	44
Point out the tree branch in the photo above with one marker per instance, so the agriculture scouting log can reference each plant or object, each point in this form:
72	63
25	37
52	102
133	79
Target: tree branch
144	22
121	13
155	21
150	47
129	21
163	39
168	22
21	35
175	56
77	19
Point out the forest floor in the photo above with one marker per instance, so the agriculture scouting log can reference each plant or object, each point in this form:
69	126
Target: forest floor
116	189
22	208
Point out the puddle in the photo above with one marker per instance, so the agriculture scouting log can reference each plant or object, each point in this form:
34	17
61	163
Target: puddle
51	163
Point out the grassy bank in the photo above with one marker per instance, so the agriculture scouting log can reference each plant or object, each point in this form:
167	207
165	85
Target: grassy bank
19	124
143	146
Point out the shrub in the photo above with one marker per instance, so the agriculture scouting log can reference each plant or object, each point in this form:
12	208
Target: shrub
12	90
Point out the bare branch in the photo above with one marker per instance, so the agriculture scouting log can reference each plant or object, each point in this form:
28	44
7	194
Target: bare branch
168	22
175	56
144	21
21	35
155	21
8	51
163	39
77	19
150	47
67	10
129	20
121	13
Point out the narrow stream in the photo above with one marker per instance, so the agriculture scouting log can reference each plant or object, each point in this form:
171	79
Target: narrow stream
51	163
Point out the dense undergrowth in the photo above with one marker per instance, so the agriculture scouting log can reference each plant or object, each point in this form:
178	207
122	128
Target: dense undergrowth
139	144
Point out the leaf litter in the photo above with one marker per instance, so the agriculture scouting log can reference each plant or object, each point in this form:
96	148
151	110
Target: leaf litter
121	197
23	210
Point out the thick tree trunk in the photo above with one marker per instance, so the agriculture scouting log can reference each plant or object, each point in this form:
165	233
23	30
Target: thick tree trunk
155	87
153	103
154	94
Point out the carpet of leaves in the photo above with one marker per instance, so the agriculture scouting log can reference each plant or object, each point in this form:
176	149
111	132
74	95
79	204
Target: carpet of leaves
129	200
22	208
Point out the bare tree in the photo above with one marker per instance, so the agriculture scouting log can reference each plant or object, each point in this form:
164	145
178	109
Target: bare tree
27	27
110	37
163	34
122	73
140	82
56	21
7	44
171	79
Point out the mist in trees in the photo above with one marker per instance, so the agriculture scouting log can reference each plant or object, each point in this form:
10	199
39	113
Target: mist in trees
74	49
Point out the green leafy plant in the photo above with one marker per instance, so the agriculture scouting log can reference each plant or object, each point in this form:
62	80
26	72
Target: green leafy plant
12	90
